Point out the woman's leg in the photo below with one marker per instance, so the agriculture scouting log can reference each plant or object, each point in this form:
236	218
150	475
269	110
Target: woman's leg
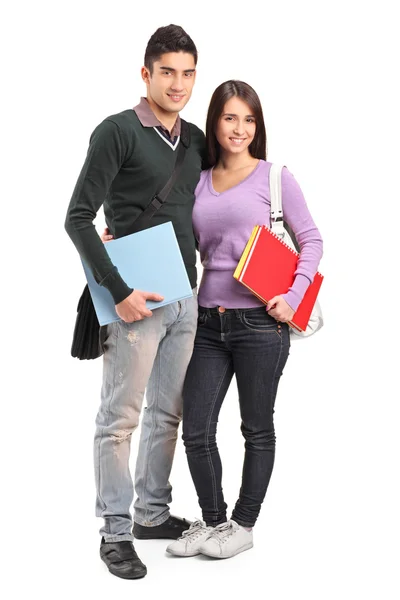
207	380
260	348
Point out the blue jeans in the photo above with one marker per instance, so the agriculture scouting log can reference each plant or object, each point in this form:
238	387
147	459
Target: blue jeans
255	347
152	355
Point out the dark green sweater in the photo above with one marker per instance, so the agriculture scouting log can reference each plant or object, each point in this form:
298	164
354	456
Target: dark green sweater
126	165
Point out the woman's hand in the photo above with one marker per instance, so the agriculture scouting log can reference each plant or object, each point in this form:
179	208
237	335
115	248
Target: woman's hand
278	308
106	236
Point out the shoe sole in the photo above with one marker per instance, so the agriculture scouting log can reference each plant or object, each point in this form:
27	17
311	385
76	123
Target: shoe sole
145	536
126	577
238	551
138	576
182	555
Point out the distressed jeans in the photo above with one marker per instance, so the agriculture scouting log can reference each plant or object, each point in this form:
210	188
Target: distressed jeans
252	345
151	355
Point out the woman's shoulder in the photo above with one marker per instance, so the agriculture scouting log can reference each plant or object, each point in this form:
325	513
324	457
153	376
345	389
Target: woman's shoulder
204	174
201	183
264	166
285	172
282	165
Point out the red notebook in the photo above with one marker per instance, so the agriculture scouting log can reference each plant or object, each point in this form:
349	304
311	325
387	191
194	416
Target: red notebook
267	268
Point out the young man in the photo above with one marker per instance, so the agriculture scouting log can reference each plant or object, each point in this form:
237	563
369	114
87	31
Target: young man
131	156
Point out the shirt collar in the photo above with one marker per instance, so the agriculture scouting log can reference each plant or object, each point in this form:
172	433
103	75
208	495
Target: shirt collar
149	119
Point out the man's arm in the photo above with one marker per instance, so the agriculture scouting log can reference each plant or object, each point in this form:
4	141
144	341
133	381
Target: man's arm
107	150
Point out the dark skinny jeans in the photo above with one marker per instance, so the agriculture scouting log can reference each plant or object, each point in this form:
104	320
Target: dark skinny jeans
252	345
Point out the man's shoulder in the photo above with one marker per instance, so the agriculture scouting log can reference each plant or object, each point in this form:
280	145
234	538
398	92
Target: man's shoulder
122	125
125	119
197	139
196	131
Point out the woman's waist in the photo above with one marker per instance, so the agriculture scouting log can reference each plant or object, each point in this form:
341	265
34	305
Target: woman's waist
220	288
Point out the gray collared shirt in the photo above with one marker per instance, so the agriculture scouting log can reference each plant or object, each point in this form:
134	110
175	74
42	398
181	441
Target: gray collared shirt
149	119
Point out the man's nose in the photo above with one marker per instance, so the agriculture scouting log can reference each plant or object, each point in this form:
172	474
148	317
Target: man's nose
177	84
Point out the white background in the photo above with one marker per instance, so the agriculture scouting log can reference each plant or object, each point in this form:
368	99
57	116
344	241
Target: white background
327	75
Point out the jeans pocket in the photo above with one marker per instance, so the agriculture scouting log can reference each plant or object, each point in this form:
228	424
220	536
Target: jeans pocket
260	320
104	334
201	319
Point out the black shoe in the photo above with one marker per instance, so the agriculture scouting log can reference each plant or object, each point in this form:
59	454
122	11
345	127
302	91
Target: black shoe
122	560
171	529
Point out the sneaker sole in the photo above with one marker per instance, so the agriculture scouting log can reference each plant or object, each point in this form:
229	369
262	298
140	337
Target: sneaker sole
238	551
186	555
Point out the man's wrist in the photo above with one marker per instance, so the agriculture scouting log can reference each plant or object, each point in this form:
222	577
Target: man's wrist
116	286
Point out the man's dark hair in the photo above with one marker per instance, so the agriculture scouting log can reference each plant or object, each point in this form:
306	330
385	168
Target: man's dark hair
223	93
171	38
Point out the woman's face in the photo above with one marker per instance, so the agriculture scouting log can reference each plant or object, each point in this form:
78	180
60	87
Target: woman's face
236	126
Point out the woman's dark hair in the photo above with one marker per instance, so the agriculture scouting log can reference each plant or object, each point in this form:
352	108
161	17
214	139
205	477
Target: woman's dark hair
223	93
171	38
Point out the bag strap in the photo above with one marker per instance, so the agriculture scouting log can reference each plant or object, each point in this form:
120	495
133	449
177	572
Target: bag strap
275	187
278	225
159	199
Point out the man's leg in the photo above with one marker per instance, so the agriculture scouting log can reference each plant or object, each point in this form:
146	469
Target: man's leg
130	350
163	415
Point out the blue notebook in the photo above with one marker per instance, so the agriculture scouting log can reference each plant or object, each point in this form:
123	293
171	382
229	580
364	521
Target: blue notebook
149	261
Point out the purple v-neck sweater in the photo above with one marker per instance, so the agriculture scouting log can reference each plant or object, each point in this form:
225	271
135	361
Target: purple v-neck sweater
223	223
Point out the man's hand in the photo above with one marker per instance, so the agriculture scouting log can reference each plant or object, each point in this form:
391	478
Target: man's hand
278	308
106	236
134	308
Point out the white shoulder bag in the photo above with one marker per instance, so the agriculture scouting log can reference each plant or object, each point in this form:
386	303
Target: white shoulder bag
278	227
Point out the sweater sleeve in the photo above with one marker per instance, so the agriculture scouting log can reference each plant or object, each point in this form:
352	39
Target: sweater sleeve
107	150
298	217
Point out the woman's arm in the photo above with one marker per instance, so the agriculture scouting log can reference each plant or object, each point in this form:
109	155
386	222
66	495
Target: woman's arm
298	217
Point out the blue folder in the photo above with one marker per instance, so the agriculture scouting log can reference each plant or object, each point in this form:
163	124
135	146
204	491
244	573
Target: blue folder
149	261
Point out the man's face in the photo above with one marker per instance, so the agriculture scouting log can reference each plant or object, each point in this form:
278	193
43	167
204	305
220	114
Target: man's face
171	82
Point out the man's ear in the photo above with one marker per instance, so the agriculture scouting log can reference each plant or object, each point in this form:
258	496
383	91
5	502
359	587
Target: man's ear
145	73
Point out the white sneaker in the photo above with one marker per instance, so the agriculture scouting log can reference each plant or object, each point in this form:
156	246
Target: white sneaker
190	540
226	540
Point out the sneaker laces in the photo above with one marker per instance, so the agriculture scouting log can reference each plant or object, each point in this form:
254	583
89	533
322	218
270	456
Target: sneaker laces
224	531
194	531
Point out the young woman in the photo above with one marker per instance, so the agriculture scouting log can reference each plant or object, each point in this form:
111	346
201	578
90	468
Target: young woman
237	334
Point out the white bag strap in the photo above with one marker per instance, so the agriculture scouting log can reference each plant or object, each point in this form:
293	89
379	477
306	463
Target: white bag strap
275	186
